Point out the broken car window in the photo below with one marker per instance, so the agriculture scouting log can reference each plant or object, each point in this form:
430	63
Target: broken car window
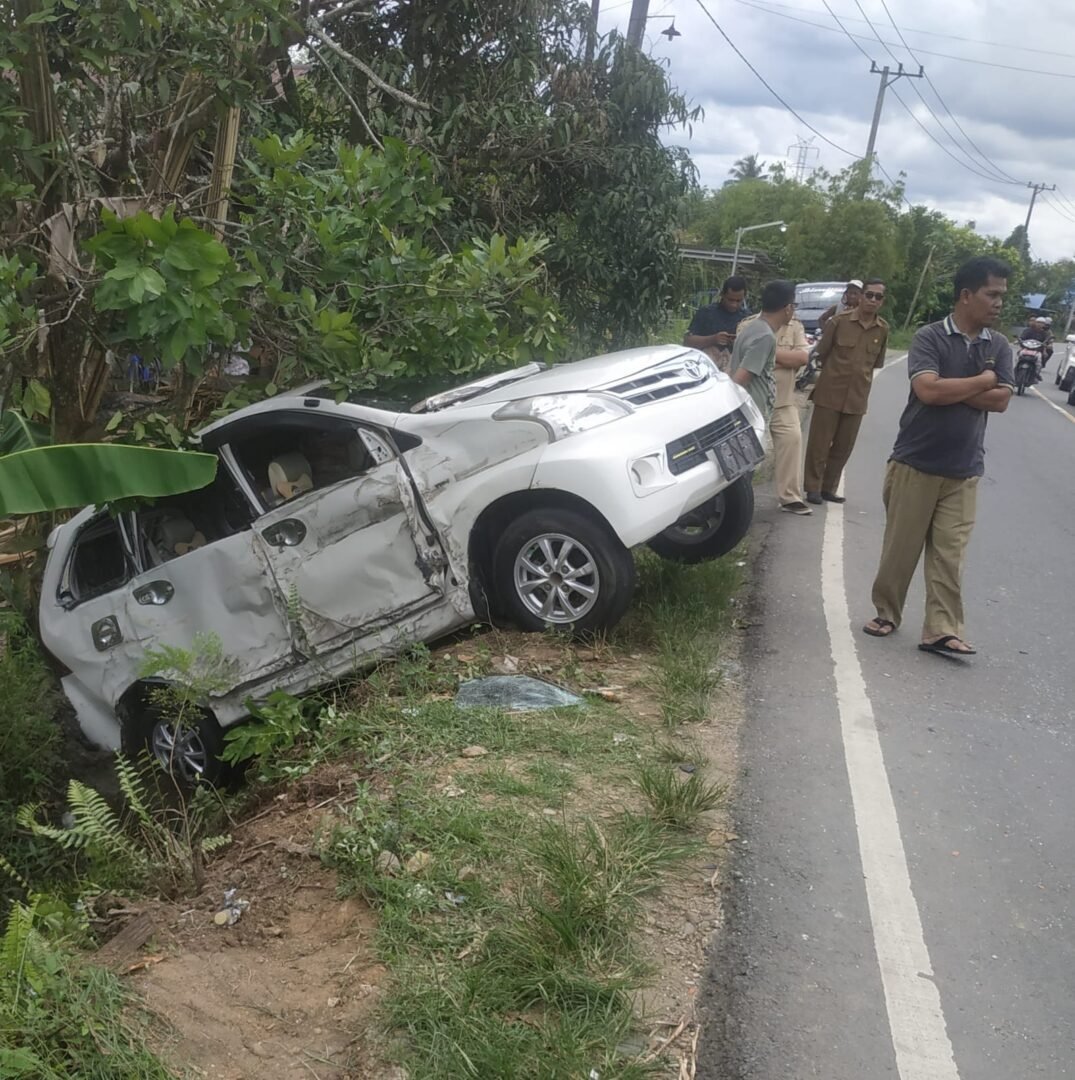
98	562
299	454
174	526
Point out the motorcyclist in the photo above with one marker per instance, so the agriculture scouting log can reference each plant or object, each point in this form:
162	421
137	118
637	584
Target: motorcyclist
1037	329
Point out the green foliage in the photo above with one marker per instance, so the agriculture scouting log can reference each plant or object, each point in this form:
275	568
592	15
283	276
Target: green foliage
173	287
18	317
151	847
83	474
842	226
277	726
60	1018
357	285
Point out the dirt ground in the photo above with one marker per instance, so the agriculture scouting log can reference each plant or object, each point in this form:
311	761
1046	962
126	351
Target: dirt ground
291	990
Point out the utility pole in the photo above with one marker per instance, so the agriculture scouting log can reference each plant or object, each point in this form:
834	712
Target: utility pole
1037	189
591	30
918	287
888	77
803	149
636	26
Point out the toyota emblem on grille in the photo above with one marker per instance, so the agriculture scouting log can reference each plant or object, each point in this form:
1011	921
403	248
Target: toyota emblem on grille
694	369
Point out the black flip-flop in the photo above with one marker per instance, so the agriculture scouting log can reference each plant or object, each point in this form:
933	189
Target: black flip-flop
882	632
942	646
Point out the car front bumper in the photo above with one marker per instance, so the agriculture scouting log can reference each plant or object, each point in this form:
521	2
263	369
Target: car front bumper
623	469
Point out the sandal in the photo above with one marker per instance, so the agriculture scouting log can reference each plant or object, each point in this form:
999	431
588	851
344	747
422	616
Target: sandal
943	646
879	627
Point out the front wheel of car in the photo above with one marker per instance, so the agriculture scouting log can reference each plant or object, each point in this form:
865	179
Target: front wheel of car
188	749
713	529
561	569
1068	381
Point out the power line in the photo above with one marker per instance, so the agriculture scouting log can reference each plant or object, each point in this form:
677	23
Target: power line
924	52
1069	204
906	108
935	34
1058	209
944	105
757	74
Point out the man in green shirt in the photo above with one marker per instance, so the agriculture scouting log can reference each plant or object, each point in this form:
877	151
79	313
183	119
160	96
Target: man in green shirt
754	354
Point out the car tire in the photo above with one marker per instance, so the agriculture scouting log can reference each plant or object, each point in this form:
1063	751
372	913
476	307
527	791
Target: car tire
528	575
194	758
1071	396
712	530
1067	383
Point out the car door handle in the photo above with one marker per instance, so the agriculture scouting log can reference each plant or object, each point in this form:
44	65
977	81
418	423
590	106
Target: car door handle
287	533
155	593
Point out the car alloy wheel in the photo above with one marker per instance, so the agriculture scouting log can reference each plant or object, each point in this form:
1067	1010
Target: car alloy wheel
181	750
556	578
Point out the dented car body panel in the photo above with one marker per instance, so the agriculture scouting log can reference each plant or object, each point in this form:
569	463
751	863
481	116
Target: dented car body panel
338	533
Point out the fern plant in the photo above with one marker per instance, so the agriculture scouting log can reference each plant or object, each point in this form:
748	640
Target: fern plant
151	846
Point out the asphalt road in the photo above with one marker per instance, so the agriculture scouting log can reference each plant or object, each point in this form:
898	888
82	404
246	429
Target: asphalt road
900	903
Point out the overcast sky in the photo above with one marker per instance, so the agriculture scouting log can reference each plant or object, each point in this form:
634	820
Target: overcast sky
1020	119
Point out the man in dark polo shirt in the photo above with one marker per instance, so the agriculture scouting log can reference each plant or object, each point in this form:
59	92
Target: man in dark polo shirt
852	346
960	372
714	326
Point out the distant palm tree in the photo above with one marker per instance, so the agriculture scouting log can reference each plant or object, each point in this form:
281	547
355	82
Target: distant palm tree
748	168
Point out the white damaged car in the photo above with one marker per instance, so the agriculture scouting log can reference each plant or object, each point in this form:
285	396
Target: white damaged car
337	533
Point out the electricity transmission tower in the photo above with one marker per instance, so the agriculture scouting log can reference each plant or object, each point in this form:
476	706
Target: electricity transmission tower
804	150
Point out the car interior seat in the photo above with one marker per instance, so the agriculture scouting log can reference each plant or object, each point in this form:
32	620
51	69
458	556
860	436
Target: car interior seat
175	535
289	475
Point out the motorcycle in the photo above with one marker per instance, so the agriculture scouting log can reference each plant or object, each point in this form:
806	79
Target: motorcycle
1027	364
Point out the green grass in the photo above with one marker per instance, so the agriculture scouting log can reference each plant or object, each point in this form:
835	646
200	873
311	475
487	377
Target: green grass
547	992
681	613
678	801
900	339
60	1018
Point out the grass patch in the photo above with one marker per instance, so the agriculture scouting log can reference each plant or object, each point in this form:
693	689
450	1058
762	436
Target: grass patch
678	801
681	613
60	1018
547	992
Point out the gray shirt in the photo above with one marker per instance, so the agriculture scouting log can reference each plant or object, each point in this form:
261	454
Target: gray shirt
949	440
755	351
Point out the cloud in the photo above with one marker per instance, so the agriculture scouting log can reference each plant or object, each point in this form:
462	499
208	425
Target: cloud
1020	119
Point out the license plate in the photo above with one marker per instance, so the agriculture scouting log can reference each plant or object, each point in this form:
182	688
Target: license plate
738	454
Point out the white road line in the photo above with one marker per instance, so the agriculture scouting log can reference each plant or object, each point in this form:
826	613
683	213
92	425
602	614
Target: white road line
915	1017
1052	404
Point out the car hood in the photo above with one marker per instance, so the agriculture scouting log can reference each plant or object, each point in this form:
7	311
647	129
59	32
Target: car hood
595	373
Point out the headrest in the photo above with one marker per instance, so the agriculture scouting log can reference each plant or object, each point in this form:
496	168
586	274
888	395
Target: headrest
289	475
178	535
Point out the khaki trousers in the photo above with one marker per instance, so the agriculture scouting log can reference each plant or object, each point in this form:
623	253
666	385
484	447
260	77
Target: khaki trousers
785	425
934	512
829	445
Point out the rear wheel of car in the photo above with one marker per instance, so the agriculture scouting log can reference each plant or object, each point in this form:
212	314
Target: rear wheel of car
711	530
1067	383
188	750
560	568
1071	396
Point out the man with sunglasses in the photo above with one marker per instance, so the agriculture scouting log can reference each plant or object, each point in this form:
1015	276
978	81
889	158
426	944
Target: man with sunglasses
852	348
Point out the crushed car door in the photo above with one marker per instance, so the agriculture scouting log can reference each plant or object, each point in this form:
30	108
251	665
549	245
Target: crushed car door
204	575
343	535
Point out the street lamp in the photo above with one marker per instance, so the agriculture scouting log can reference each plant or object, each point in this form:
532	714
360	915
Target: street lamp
751	228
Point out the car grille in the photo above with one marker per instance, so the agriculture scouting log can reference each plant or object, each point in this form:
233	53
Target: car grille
661	382
690	450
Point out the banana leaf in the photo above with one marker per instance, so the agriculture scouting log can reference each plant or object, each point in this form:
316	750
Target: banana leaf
18	433
84	474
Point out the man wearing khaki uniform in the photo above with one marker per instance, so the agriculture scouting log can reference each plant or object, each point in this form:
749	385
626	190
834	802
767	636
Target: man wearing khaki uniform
960	372
785	424
852	348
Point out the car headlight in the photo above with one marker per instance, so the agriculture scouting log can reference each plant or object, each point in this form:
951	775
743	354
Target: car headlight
752	412
566	414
